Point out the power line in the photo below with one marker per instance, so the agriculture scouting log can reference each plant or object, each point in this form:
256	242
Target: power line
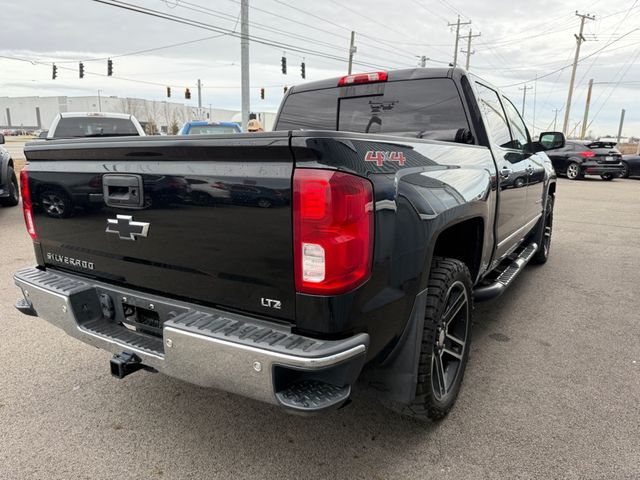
568	66
218	14
205	26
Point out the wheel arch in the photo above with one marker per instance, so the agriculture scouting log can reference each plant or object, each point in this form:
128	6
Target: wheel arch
464	241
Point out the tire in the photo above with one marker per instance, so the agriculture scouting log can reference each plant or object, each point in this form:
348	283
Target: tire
14	192
55	203
544	232
607	176
264	203
625	170
573	171
445	342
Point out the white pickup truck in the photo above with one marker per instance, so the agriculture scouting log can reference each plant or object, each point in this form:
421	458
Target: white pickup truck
94	124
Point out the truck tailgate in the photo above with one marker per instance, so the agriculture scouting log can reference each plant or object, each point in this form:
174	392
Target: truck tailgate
208	220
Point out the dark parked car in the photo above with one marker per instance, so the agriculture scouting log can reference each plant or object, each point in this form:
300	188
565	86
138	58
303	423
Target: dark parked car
630	166
9	193
579	158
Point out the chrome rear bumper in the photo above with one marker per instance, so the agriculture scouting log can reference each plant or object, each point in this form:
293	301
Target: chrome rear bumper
204	346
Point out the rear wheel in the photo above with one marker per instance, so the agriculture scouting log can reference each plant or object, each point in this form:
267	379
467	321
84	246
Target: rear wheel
607	176
573	171
544	236
445	341
625	170
14	193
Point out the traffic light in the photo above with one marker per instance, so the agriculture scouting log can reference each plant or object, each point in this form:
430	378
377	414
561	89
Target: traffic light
303	70
109	67
81	70
54	74
284	65
187	94
262	93
168	92
285	89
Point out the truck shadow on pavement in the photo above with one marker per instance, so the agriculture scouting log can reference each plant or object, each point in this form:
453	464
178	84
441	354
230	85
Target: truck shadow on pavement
222	432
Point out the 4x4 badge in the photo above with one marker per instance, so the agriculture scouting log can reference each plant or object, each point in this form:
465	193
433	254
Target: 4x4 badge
126	228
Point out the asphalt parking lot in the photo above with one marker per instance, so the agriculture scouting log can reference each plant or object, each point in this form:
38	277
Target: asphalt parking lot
552	389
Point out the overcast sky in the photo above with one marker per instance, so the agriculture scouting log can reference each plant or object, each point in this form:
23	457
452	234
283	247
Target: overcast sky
518	41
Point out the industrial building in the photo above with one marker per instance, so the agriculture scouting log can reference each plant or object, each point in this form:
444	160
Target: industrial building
36	113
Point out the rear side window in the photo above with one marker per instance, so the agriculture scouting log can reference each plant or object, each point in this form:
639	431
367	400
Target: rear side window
494	115
420	106
71	127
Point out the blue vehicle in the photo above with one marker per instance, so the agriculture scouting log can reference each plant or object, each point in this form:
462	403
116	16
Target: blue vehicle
202	127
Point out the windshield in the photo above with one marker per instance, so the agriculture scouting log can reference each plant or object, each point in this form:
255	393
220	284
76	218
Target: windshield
211	129
417	106
71	127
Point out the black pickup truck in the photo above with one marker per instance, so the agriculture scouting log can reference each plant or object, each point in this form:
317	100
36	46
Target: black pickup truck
346	247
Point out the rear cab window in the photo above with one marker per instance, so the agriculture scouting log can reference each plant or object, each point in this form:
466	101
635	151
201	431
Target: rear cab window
211	130
429	108
72	127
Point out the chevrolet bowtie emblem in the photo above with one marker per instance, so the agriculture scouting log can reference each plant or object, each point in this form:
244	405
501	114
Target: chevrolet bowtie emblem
126	228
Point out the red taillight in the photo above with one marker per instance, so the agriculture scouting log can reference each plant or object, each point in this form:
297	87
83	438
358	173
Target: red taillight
332	231
372	77
26	204
587	154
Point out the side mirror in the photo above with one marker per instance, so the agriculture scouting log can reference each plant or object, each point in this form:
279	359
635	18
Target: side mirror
551	140
1	139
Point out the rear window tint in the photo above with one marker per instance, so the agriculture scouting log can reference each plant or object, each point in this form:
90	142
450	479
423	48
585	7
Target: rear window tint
426	105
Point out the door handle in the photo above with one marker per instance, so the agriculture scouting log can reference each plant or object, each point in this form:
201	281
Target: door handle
505	172
122	190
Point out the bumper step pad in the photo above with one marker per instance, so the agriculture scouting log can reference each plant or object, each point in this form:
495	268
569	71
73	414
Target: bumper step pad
311	396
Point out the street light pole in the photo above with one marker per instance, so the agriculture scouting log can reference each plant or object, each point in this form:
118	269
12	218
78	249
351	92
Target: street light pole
99	101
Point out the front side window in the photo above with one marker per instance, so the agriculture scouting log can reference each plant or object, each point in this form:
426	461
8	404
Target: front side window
519	135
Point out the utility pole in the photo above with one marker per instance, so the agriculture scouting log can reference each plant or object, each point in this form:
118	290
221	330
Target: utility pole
199	95
579	39
620	127
99	101
555	117
457	25
244	61
468	51
352	49
535	97
586	111
524	96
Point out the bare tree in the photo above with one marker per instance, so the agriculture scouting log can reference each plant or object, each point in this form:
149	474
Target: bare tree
130	106
151	114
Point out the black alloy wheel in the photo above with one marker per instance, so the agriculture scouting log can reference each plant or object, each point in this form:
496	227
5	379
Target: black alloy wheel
446	340
624	173
544	238
450	342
